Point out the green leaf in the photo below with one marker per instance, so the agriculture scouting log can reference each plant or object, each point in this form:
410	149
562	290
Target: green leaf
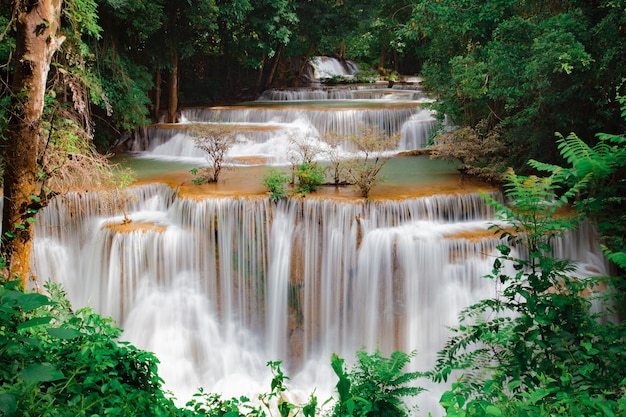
41	372
31	301
605	409
493	410
65	334
8	405
38	321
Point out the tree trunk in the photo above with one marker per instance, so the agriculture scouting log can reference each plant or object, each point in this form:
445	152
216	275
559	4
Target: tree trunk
172	109
259	79
305	61
342	49
272	74
157	92
381	60
36	43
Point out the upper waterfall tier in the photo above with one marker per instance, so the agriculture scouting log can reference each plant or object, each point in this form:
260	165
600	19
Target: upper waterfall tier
403	92
327	67
342	117
265	127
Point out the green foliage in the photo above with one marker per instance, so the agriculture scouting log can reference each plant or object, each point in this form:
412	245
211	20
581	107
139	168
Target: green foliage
59	362
603	197
376	386
310	175
125	86
212	405
361	77
537	348
276	183
522	67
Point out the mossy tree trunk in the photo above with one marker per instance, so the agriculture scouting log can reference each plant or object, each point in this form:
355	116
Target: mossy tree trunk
37	40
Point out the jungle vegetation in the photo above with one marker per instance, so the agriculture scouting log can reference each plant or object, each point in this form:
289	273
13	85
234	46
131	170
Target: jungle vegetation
536	86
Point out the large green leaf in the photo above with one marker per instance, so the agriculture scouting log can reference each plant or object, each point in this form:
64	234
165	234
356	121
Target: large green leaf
8	405
65	334
37	321
41	372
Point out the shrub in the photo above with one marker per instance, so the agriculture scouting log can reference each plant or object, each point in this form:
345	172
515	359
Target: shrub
537	348
276	183
215	141
481	152
310	176
371	142
56	362
376	386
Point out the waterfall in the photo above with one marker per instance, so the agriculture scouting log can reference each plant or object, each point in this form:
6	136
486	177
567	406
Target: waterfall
278	280
327	67
371	92
265	126
216	287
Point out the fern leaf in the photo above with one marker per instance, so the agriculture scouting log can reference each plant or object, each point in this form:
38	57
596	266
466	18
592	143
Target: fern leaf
542	166
573	148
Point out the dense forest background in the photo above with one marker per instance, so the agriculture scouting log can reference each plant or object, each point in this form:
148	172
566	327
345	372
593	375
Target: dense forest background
536	86
523	70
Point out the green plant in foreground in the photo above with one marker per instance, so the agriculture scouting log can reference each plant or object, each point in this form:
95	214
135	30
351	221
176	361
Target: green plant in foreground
56	362
310	176
538	348
276	183
376	386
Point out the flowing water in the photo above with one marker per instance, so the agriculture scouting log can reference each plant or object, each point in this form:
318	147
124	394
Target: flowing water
217	284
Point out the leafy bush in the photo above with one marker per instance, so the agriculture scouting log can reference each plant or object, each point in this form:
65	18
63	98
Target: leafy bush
56	362
376	386
310	176
276	183
537	348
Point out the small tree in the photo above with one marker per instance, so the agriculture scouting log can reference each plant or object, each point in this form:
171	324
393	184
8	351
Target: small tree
371	143
339	165
215	141
302	150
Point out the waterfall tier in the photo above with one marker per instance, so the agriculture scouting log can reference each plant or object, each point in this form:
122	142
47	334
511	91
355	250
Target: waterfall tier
217	287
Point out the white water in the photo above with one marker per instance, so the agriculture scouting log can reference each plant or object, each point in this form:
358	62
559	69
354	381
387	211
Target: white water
268	125
220	286
327	67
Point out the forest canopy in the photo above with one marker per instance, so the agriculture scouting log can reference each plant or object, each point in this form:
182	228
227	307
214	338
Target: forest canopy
528	85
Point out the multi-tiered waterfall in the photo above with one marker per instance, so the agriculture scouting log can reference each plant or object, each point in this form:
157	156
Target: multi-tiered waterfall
217	286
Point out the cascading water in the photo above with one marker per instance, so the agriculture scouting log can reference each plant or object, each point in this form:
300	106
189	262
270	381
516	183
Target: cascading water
218	286
267	126
326	67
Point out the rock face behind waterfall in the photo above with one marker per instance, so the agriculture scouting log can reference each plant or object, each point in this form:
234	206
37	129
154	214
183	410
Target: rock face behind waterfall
216	287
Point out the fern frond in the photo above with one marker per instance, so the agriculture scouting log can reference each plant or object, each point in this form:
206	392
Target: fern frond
618	258
542	166
573	148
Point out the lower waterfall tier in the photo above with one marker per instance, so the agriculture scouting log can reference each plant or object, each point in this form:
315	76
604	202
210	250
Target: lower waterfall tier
217	287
